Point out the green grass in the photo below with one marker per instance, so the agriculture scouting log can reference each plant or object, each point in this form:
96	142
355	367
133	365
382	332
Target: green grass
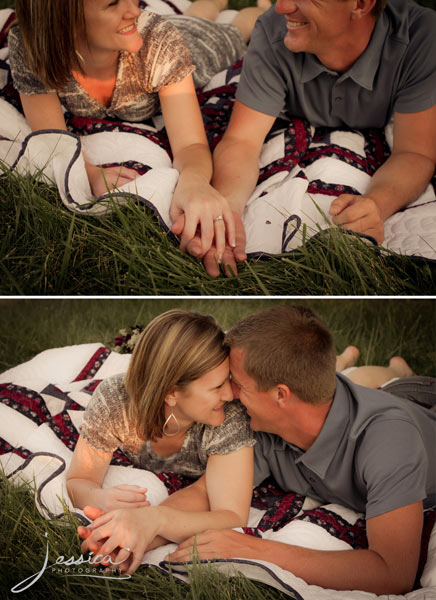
23	546
47	250
381	328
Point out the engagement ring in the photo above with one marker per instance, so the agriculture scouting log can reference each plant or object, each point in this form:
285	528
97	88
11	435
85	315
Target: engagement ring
218	218
128	549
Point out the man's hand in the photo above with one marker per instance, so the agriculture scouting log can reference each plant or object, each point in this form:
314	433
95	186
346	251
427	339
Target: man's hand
358	213
398	181
105	180
230	257
92	512
211	544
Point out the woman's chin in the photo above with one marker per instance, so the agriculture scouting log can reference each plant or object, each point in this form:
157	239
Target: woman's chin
137	45
133	44
217	419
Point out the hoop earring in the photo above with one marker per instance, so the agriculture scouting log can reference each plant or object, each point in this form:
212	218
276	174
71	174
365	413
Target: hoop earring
171	416
79	56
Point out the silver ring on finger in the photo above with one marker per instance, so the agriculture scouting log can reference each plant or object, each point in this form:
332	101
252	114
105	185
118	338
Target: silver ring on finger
126	548
218	218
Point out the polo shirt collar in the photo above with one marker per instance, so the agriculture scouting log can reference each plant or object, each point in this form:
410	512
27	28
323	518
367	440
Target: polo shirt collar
364	70
321	453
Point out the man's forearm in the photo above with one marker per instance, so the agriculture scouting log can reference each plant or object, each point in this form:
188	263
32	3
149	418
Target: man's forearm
400	181
193	498
236	171
342	570
178	525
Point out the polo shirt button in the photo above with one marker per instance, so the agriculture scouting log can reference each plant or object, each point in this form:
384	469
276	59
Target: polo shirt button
338	98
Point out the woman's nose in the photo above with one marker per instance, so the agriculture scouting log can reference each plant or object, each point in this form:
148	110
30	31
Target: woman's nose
227	392
133	9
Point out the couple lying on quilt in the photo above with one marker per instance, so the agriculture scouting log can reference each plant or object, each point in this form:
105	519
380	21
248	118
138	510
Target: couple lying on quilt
353	64
336	439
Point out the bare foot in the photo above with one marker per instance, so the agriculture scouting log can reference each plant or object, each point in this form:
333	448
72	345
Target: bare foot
348	358
206	9
400	367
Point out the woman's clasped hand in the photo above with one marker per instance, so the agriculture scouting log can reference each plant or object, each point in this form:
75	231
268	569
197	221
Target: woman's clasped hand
202	218
124	535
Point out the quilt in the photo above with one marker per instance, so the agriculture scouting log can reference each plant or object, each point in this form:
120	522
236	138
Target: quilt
41	410
302	168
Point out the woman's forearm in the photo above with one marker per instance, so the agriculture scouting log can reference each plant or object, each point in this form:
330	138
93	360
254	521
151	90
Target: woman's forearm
84	492
43	111
194	160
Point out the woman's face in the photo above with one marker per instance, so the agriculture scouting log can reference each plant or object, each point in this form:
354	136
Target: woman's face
111	25
203	400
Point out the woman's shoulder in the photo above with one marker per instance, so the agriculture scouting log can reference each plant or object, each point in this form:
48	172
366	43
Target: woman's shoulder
112	391
14	32
235	410
163	58
232	434
15	40
152	27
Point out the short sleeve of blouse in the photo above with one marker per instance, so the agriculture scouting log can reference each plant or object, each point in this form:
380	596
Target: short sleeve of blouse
233	434
164	57
105	424
25	81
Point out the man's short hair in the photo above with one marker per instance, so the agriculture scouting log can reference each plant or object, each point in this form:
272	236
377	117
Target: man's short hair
288	345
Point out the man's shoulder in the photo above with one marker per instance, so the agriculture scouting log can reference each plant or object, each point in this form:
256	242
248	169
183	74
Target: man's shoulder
408	18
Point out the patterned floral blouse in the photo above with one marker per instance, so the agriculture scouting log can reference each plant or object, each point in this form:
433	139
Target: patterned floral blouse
106	426
165	58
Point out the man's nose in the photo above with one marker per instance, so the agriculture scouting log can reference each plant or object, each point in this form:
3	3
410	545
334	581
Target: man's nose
235	390
285	6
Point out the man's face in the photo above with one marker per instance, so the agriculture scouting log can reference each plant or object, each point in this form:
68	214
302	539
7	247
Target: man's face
261	406
315	26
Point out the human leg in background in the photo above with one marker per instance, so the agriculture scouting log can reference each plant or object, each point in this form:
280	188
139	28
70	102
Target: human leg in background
244	19
206	9
371	375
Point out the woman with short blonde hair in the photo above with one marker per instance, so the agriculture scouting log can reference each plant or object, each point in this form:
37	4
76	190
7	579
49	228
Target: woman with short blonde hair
172	412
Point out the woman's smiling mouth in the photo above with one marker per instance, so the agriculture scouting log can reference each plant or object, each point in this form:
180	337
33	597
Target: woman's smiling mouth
128	29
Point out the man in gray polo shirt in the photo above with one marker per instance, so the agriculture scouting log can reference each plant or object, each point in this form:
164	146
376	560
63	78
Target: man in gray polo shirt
337	63
321	435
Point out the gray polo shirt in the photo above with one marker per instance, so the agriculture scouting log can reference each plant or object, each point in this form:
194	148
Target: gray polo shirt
375	453
396	72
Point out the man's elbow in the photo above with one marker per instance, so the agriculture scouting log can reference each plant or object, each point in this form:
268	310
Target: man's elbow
396	582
